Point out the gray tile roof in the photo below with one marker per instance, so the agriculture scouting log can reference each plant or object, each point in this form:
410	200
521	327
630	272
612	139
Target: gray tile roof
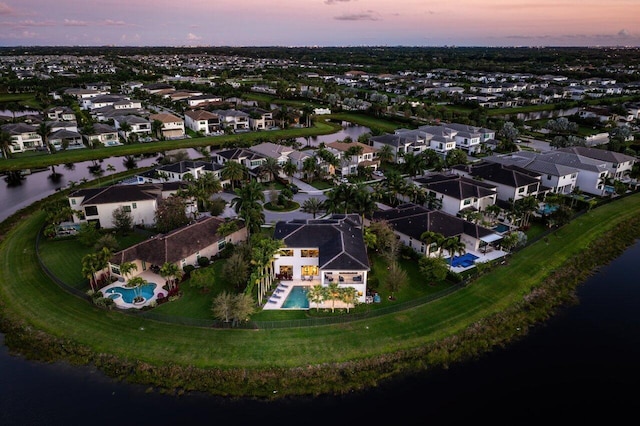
457	187
339	240
412	220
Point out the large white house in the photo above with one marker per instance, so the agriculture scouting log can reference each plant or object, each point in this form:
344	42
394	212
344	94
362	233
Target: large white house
24	137
201	120
325	251
98	204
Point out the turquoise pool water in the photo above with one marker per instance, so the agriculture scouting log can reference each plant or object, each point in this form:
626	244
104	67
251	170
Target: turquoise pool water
547	209
128	294
297	298
501	228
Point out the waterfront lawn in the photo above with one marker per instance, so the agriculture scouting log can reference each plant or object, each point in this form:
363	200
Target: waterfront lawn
63	257
27	294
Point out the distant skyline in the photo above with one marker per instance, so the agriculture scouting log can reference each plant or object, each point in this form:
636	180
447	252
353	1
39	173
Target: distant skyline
320	23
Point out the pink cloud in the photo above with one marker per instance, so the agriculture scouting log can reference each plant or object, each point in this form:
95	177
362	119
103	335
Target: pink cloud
5	9
74	23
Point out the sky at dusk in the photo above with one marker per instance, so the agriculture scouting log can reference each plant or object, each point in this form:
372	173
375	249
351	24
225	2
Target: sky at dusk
320	23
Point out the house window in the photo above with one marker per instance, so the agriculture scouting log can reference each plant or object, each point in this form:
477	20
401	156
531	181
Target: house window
221	244
309	253
466	202
520	190
286	252
548	177
134	205
126	209
91	211
73	202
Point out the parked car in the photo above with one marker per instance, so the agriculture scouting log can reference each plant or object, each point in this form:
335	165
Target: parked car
378	173
294	188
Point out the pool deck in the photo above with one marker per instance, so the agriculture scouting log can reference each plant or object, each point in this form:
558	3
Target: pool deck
281	292
482	257
148	276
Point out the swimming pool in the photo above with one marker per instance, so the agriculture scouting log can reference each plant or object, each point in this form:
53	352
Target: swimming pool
128	294
501	228
464	261
297	298
548	209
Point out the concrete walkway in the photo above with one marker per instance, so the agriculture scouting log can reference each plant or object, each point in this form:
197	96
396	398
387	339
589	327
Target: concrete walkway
305	187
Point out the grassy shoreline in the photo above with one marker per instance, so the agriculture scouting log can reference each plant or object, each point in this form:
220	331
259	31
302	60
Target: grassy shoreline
42	321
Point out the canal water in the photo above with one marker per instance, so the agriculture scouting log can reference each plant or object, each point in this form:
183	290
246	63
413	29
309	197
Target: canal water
40	184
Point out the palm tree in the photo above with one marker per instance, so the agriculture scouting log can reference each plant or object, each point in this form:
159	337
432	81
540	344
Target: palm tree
363	202
339	199
111	169
171	272
453	246
333	293
310	168
289	169
127	268
90	266
44	130
385	154
247	204
313	206
349	297
129	162
395	185
316	294
270	169
5	143
233	171
126	128
136	283
430	238
156	128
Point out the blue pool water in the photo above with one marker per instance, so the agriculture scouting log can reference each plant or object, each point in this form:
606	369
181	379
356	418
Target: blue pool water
297	298
548	209
465	260
500	228
128	294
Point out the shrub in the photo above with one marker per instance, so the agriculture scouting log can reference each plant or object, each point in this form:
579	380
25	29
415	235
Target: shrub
203	261
188	269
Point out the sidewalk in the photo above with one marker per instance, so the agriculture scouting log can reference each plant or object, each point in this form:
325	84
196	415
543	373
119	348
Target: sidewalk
305	187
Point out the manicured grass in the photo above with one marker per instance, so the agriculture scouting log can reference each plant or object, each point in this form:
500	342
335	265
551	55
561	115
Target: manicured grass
321	185
77	155
28	294
289	207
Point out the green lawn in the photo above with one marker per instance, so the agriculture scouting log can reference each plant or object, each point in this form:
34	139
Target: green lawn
27	293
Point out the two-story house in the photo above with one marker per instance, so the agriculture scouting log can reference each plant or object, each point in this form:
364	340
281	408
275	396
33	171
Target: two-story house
172	126
410	221
512	183
65	139
330	250
353	155
201	120
139	126
459	193
233	119
24	137
61	113
98	204
619	165
102	134
590	174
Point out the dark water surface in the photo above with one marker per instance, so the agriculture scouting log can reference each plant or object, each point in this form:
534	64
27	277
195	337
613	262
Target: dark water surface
580	366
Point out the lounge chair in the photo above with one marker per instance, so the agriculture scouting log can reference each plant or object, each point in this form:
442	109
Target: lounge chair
275	296
272	301
279	290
